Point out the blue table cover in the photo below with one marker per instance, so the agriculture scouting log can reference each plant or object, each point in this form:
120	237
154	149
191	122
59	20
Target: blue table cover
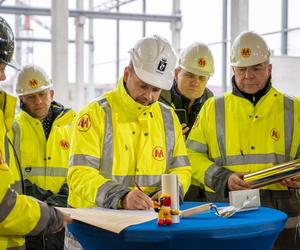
255	229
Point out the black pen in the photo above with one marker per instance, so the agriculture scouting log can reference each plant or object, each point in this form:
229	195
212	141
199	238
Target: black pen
138	187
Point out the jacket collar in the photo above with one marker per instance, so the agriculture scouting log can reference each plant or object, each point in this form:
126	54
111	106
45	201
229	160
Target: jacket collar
54	111
128	103
253	98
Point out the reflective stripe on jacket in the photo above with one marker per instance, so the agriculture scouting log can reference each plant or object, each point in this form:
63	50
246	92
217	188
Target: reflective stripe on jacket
118	142
19	215
44	162
232	135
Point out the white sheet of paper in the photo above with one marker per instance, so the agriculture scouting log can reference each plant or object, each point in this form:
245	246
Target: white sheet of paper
110	219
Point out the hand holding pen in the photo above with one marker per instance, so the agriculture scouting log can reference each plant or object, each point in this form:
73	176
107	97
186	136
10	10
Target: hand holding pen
137	199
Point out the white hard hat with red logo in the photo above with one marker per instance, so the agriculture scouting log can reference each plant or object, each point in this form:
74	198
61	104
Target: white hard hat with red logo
32	79
248	49
154	60
197	59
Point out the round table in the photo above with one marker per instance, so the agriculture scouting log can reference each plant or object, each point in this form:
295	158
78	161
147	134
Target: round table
255	229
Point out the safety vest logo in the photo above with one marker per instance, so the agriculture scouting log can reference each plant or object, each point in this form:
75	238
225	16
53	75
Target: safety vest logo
275	134
84	123
201	62
64	144
33	83
158	153
246	52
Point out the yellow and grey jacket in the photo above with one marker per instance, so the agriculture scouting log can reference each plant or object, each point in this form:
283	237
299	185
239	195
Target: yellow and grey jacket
44	161
19	215
233	135
117	142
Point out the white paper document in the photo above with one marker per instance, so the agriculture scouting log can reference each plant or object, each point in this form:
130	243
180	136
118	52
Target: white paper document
110	219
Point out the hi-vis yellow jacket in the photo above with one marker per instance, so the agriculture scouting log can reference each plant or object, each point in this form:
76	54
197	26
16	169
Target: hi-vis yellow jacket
44	162
19	215
232	135
118	142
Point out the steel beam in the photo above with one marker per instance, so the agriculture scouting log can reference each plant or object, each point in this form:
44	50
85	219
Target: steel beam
34	11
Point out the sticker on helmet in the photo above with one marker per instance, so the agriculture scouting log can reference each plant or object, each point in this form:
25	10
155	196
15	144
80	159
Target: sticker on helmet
275	134
84	123
33	83
201	62
158	153
162	65
246	52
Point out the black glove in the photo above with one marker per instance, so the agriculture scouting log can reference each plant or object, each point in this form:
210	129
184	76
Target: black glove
61	198
35	191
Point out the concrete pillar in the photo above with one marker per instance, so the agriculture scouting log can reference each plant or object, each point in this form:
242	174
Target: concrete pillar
91	84
239	17
176	27
59	64
79	43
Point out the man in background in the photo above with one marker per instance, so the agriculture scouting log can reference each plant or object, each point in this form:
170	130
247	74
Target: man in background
189	93
42	141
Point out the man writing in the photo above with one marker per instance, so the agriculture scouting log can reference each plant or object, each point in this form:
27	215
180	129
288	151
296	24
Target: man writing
127	137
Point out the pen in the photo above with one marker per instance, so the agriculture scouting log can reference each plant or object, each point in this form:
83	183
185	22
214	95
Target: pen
138	187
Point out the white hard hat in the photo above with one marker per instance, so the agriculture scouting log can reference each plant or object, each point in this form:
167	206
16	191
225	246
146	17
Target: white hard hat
32	79
249	49
197	59
154	60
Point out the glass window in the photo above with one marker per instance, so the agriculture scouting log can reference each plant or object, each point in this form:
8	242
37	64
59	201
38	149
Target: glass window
274	43
293	43
162	29
262	19
215	82
201	21
159	8
104	51
293	14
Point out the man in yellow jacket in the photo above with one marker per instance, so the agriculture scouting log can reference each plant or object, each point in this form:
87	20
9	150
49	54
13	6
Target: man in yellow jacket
41	139
249	129
126	137
189	93
20	215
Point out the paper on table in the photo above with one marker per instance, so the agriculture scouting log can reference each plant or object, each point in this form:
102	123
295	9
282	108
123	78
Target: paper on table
110	219
169	183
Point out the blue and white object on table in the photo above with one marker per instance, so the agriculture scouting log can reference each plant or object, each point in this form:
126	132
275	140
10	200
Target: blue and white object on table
237	198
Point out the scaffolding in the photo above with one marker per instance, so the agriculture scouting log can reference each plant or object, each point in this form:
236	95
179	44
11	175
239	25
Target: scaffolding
59	38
